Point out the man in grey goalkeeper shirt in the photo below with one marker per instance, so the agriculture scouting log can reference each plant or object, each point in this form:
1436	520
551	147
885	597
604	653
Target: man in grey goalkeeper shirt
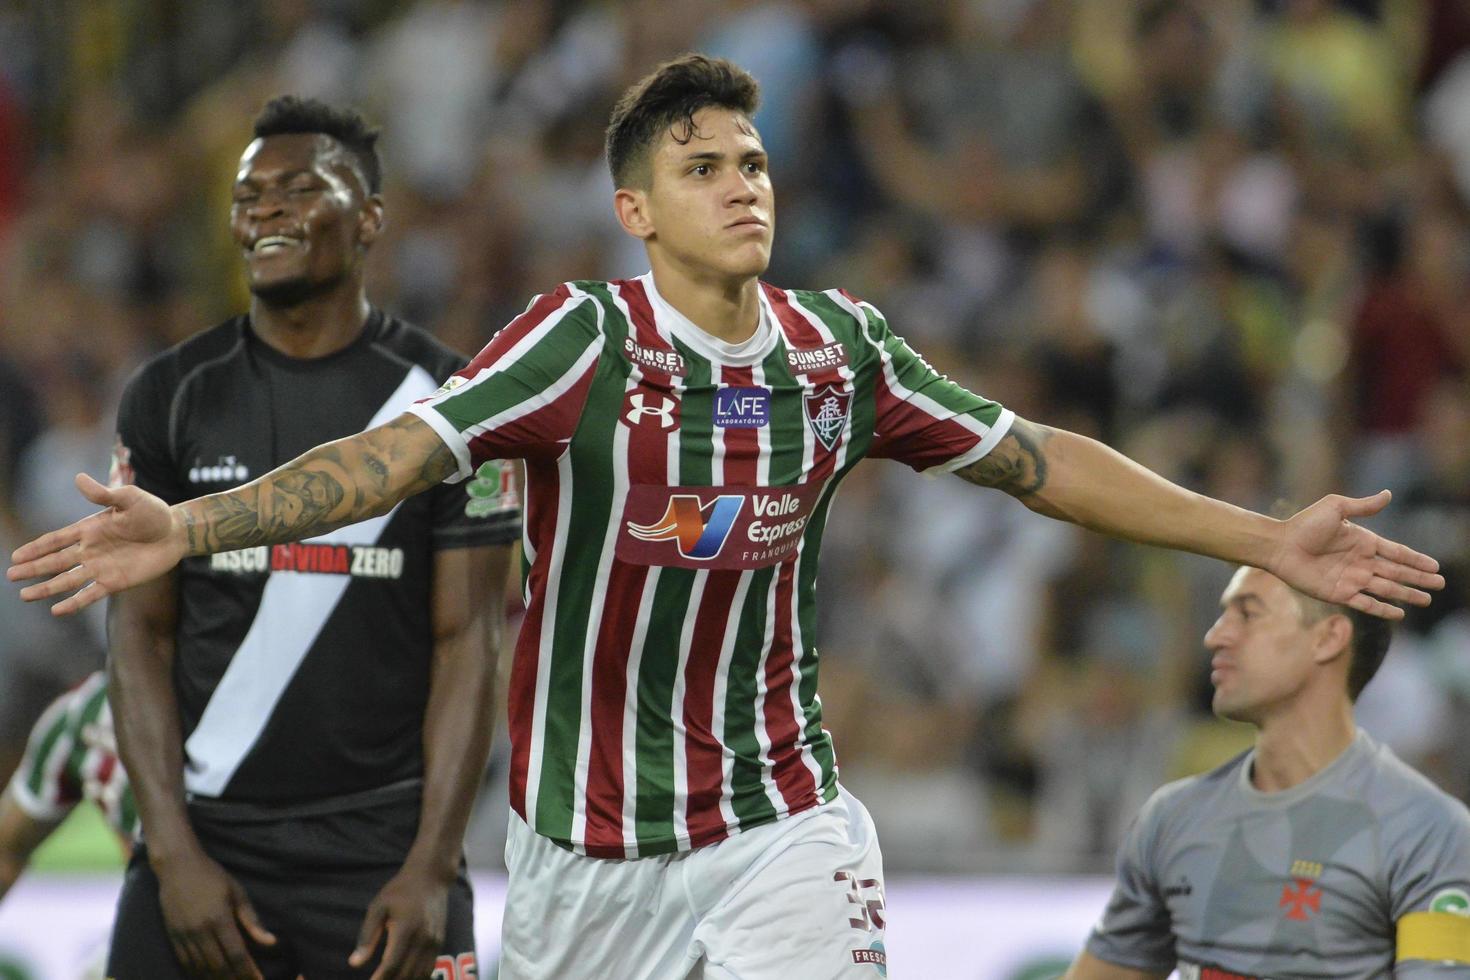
1315	854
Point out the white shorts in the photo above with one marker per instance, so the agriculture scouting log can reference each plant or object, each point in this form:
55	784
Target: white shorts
800	897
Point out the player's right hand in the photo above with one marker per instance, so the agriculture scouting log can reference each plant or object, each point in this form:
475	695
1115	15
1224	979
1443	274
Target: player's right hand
137	538
208	916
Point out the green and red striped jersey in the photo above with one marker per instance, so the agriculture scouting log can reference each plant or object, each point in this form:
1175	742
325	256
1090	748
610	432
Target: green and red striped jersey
664	688
71	756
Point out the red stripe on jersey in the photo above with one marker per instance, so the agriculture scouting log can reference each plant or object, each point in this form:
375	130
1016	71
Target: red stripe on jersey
784	729
800	333
795	782
516	330
647	462
703	752
703	749
903	430
542	489
604	805
540	434
645	330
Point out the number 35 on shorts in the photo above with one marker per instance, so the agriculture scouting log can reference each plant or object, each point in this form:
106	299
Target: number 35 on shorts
866	897
461	967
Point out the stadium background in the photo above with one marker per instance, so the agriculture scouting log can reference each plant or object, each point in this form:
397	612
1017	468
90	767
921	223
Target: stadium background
1229	237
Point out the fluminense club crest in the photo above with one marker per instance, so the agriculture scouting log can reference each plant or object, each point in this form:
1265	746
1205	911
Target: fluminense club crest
827	411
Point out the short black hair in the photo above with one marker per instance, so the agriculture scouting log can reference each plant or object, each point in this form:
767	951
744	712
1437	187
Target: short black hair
1371	634
1367	646
287	114
669	96
1371	637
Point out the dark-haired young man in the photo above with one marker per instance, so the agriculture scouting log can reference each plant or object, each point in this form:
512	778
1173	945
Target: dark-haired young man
1315	854
677	806
303	723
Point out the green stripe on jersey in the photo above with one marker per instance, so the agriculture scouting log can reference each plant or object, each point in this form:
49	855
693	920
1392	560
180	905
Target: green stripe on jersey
750	803
43	768
591	475
529	375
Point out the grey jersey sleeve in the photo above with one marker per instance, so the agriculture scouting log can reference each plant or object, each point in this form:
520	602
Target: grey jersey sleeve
1135	930
1428	868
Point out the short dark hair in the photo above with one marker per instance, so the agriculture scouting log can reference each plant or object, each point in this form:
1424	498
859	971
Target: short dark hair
1368	645
1371	634
667	97
286	114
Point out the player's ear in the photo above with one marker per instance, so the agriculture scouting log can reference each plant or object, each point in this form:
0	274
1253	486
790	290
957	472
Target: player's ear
370	224
631	205
1334	637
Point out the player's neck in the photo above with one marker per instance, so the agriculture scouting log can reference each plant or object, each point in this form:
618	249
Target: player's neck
728	310
315	327
1293	747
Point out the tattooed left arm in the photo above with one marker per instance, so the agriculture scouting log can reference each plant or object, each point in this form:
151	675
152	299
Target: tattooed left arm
1073	478
138	537
337	483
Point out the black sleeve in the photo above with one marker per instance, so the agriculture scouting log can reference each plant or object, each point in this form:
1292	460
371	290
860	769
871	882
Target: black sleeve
483	510
142	454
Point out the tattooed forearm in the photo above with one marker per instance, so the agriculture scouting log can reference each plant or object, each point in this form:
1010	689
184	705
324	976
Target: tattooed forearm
330	486
1017	465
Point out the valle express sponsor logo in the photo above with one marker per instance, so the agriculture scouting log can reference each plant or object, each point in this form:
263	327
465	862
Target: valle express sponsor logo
714	527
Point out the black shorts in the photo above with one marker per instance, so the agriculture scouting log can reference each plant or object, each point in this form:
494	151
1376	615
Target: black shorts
310	876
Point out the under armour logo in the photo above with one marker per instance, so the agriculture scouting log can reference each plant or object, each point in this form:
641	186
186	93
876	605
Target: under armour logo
640	406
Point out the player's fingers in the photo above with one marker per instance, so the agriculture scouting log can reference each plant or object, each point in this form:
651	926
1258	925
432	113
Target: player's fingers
1364	506
81	599
186	954
1363	602
394	955
209	957
69	580
47	544
417	960
1396	592
245	913
57	561
235	960
369	935
1413	560
94	491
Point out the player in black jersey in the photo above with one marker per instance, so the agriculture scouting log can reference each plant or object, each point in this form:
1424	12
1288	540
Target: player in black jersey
306	724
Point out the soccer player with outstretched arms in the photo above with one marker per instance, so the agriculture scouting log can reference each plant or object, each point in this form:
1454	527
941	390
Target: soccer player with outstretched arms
677	808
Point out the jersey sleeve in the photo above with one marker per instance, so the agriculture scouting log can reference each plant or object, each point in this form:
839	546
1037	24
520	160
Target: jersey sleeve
140	454
1429	886
44	785
522	396
923	418
1135	930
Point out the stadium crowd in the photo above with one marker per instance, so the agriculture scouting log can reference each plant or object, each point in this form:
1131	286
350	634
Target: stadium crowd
1230	237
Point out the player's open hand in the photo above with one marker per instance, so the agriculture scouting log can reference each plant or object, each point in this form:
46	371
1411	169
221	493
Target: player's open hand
1324	554
413	909
134	540
208	916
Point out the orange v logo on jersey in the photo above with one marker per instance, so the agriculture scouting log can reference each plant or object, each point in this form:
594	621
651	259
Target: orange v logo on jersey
699	530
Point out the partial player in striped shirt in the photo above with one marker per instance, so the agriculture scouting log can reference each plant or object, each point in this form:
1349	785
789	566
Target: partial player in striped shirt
677	806
71	756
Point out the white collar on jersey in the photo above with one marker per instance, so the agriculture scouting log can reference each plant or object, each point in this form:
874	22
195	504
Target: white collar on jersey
743	354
